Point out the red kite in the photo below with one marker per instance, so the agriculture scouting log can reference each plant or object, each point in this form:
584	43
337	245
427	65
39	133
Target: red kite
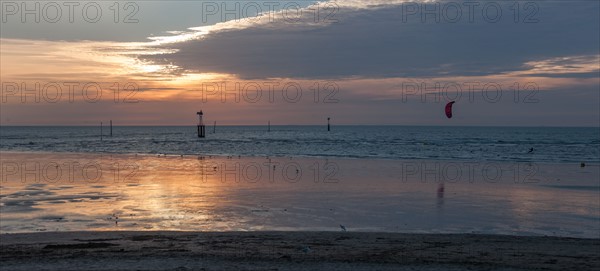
449	109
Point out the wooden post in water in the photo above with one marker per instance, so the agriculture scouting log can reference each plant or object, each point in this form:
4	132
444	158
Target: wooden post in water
328	126
215	127
269	129
201	128
110	128
100	131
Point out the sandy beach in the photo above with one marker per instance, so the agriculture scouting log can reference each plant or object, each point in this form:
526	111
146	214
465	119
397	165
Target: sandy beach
171	212
157	250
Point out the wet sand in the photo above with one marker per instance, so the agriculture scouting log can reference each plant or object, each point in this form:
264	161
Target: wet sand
46	192
128	212
155	250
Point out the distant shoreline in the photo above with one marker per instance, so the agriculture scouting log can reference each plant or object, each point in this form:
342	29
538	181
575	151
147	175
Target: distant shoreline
166	250
309	125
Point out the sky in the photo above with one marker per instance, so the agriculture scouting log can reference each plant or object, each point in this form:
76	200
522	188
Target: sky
505	63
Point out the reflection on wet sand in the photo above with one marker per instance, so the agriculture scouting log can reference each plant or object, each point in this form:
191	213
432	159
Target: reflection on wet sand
134	192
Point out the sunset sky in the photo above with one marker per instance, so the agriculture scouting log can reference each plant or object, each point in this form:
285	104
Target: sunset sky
359	62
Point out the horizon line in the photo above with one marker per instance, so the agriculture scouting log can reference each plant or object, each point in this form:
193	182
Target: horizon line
316	125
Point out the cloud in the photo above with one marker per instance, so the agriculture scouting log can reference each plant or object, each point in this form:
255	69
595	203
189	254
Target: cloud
380	41
370	53
565	67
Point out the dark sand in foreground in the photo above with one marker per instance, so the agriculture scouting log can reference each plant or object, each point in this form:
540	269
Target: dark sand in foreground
151	250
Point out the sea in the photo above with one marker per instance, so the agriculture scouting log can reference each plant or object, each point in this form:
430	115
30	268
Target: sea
538	144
